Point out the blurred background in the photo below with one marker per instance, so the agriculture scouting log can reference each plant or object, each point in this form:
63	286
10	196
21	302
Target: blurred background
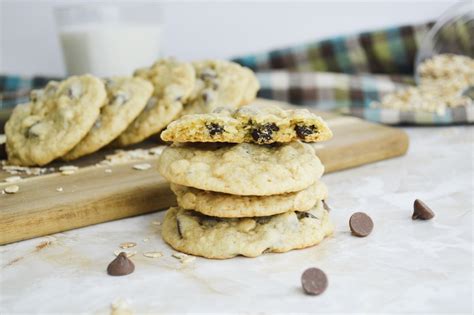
193	30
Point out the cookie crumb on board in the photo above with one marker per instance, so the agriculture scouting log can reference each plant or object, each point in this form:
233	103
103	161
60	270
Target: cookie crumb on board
35	171
125	156
142	166
12	179
12	189
59	189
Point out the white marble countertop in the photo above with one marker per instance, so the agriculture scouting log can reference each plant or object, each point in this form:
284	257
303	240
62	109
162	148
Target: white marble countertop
403	266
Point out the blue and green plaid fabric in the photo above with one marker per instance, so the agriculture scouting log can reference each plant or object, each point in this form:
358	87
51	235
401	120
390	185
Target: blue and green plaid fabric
348	73
344	74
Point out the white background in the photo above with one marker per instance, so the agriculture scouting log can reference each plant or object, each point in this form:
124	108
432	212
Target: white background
29	44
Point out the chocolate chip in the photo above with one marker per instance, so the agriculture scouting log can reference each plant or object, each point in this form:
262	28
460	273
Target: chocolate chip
303	130
120	98
207	95
178	224
361	224
121	266
108	82
421	211
326	207
263	133
214	129
75	90
314	281
304	214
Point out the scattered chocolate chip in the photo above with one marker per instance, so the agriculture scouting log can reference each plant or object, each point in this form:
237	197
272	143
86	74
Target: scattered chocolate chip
303	131
421	211
314	281
326	207
263	133
361	224
304	214
214	129
121	266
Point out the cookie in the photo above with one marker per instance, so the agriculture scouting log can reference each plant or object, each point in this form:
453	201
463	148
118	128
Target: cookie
233	206
194	233
258	123
221	83
55	120
173	82
242	169
127	96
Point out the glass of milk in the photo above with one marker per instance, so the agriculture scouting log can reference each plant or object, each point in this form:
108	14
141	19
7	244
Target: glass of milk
108	40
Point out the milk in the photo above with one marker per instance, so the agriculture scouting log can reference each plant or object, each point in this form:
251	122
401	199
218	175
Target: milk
109	49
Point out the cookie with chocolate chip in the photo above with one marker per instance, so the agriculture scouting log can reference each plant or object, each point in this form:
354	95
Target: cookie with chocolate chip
54	121
173	83
127	97
211	237
244	169
260	123
233	206
220	83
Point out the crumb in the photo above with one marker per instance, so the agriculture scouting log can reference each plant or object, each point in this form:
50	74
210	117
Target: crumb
12	189
153	254
12	179
128	245
128	253
142	167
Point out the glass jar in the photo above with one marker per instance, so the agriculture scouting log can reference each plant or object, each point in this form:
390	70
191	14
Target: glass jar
453	33
109	39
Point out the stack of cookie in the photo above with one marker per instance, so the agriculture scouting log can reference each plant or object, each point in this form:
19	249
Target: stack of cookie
245	181
82	114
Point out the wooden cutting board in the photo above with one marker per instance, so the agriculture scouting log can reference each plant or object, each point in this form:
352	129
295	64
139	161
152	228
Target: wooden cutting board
53	202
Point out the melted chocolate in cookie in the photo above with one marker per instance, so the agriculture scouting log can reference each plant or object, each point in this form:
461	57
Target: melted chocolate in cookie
264	133
214	129
303	131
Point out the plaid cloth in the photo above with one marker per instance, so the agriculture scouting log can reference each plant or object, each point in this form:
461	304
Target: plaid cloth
348	73
345	74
